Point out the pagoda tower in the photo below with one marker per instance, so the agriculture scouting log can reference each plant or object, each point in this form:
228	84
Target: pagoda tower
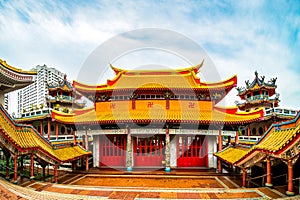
258	94
62	97
261	94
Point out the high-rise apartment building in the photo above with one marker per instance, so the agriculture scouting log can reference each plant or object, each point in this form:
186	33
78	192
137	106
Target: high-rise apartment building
34	96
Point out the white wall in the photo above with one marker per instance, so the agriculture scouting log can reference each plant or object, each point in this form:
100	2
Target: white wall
95	152
212	148
173	152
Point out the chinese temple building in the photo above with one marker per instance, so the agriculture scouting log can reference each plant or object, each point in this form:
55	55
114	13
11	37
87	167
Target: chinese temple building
61	98
157	118
22	142
280	144
258	94
261	94
12	78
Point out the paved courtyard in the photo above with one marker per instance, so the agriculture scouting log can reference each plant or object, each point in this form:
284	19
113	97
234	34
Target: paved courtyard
156	185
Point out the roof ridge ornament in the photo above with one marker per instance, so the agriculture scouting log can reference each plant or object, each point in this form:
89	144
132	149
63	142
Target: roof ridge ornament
116	70
197	67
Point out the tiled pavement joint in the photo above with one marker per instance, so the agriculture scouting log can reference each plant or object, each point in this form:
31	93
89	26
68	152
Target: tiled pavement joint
221	182
232	182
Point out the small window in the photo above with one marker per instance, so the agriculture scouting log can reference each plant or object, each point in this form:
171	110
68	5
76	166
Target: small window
62	130
256	93
286	112
46	129
243	132
260	131
253	131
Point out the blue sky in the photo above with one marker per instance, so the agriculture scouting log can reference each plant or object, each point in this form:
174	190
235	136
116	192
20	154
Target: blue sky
239	36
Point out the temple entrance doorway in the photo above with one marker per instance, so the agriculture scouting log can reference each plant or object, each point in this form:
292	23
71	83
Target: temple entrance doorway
192	151
149	151
112	150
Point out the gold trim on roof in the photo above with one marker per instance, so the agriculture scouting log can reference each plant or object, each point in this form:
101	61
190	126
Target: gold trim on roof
3	62
25	138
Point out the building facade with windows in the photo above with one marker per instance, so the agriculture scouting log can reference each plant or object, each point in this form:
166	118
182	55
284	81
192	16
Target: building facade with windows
33	97
261	94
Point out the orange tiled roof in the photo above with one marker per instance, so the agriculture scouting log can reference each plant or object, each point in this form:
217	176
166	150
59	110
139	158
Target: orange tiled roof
274	141
180	111
25	138
278	139
232	154
153	79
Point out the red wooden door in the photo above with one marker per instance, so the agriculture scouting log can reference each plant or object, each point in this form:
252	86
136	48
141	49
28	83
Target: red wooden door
113	150
149	151
192	151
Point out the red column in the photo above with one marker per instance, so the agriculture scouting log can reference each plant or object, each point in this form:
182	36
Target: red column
74	165
15	168
56	130
41	128
220	142
74	137
133	104
55	174
269	175
31	166
220	146
290	179
248	130
244	177
87	163
167	104
236	137
49	130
